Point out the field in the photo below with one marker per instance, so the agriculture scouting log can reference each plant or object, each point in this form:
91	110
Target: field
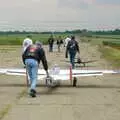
17	39
107	36
110	50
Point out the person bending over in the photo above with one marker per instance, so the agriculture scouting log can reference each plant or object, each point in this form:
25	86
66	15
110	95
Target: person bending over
31	58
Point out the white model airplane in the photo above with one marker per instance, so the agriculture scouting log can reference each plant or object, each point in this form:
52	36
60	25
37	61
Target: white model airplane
58	74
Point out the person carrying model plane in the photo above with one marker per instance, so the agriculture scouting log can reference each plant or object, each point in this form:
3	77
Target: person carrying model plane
72	48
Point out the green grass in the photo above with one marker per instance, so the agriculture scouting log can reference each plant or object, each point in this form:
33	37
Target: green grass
109	53
5	111
99	41
112	55
93	41
107	36
112	43
17	39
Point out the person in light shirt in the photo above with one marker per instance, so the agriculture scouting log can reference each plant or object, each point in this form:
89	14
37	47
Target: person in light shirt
26	42
66	41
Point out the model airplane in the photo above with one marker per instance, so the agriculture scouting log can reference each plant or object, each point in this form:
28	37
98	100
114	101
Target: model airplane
59	74
79	61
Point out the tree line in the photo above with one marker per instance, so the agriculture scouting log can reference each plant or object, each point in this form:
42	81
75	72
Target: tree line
83	32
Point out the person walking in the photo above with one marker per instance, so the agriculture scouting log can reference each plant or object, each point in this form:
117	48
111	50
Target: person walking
31	58
59	43
51	42
72	48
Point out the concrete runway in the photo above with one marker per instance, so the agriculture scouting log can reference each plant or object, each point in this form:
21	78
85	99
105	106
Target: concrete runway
94	98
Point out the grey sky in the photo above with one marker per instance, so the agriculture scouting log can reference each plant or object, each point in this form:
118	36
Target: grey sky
42	15
114	2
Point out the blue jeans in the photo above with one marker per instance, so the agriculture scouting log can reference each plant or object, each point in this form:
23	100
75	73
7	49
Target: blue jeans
32	69
72	55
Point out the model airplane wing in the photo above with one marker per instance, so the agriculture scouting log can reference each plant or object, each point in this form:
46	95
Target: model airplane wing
79	61
58	74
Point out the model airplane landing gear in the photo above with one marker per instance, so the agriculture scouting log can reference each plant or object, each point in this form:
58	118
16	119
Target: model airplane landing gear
74	82
52	83
48	81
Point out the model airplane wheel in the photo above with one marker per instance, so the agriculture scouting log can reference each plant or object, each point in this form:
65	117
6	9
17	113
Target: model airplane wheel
48	81
74	82
52	83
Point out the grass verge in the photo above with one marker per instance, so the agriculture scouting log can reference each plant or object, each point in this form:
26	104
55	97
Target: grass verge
4	111
111	55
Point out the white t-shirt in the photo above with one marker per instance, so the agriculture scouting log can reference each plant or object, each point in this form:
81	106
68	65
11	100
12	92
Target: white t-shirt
66	41
26	43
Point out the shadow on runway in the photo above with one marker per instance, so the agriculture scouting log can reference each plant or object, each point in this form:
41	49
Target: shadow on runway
49	91
64	86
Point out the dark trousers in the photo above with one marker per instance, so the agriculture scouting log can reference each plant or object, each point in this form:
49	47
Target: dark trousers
72	55
50	47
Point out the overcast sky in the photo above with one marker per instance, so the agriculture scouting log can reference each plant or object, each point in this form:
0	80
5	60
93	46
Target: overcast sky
40	15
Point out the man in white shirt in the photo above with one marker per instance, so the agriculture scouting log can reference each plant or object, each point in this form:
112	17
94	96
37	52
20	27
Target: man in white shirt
66	41
26	42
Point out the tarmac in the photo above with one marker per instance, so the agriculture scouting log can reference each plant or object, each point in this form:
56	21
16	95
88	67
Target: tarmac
94	98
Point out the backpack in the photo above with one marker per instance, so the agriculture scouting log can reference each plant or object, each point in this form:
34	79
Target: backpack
72	45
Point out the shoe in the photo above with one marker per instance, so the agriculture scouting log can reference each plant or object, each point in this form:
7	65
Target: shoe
32	93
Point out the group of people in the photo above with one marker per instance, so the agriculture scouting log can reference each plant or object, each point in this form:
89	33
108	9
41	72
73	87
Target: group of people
70	44
34	53
51	41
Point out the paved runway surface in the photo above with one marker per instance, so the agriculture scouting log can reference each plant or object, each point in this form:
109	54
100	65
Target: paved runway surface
94	98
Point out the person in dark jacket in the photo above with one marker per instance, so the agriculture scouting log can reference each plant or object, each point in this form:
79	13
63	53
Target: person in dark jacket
59	43
31	58
51	42
72	48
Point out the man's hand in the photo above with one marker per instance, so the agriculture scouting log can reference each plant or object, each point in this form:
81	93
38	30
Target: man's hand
66	56
78	55
79	60
47	74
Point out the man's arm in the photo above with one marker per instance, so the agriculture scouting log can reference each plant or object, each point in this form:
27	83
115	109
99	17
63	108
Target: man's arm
77	46
44	62
23	58
78	50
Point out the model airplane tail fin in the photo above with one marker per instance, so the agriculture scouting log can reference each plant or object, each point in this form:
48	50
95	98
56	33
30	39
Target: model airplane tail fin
70	72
